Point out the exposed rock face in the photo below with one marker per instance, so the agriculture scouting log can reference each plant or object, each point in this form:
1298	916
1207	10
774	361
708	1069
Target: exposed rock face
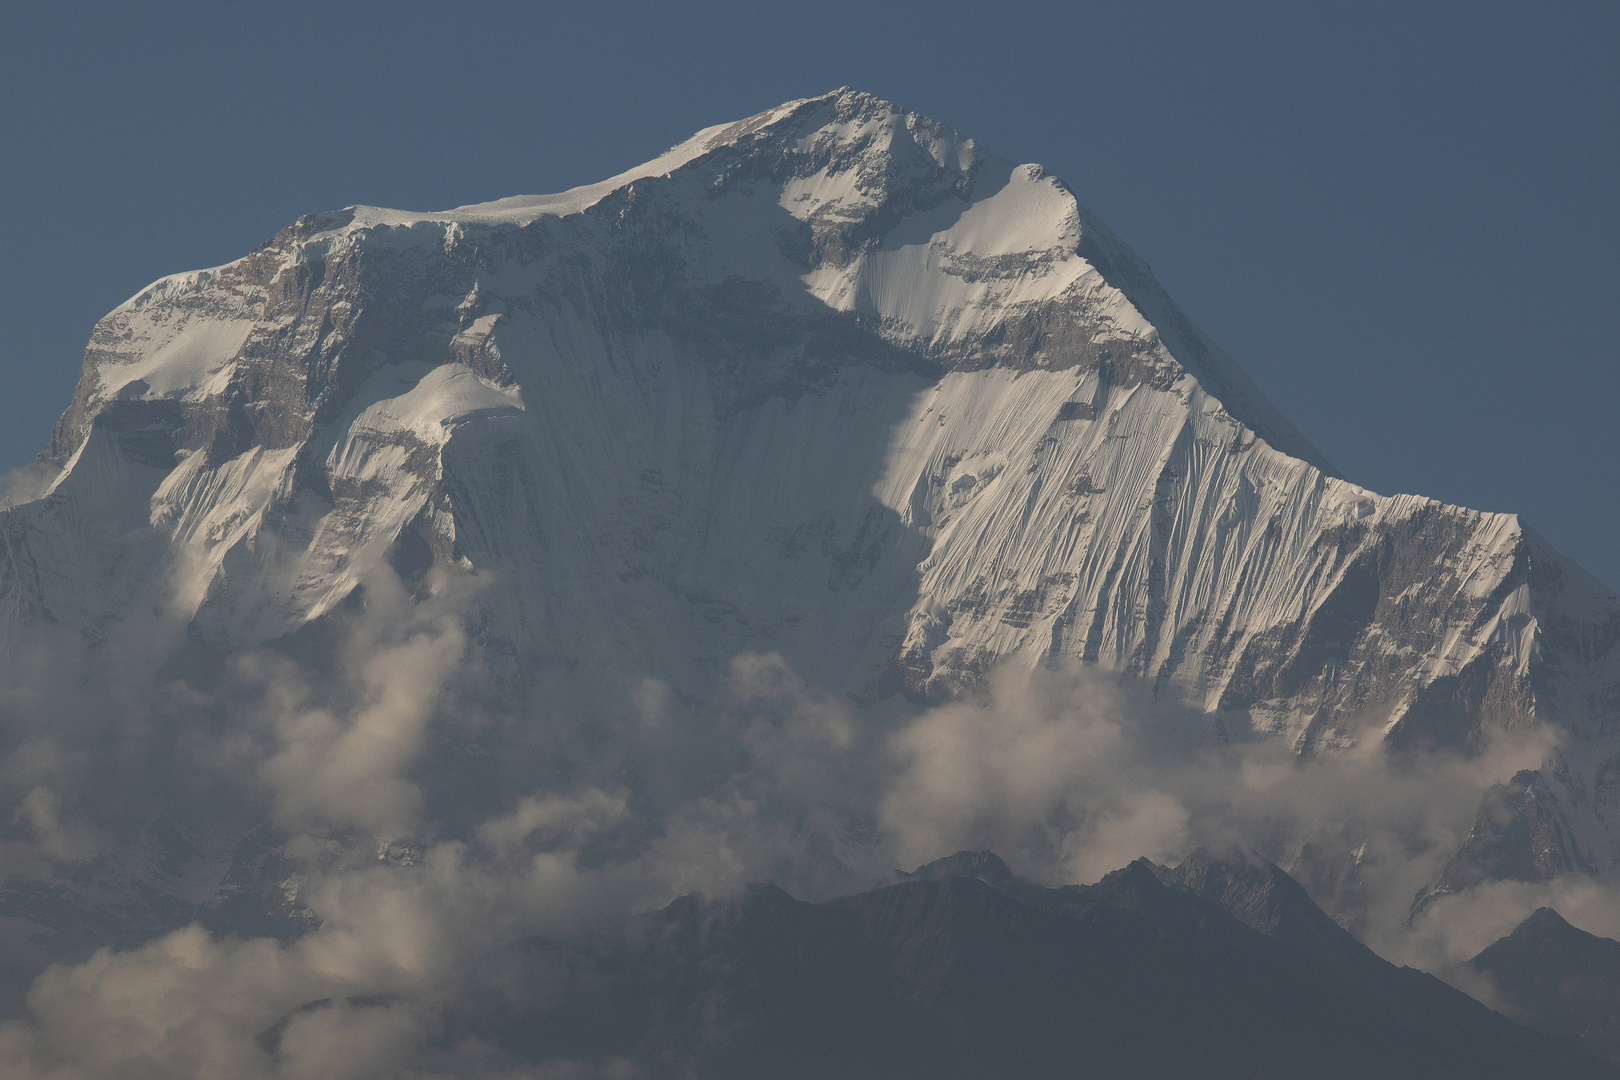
1521	835
832	382
1265	899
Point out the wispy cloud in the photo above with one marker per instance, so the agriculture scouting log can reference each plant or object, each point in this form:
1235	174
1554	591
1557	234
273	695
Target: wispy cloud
430	831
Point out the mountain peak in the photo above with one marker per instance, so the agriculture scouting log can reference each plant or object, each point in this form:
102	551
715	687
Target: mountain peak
838	127
1263	897
1558	979
1545	918
986	866
829	382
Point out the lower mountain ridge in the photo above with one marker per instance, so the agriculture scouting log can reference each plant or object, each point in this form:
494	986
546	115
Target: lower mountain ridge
1218	967
1559	980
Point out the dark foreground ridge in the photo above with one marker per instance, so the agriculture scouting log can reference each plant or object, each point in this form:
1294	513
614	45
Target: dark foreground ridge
1222	967
1558	979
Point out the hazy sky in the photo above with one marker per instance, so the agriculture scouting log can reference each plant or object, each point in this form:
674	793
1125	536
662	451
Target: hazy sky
1403	220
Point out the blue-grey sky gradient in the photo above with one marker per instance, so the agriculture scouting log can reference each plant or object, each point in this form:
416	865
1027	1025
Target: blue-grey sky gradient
1402	219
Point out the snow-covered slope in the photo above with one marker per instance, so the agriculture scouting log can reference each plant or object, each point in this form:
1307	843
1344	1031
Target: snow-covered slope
832	382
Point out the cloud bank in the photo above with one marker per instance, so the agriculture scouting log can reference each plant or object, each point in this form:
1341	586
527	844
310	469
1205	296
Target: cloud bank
416	831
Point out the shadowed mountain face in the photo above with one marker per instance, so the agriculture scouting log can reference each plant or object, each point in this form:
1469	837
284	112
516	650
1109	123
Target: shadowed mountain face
1558	979
1214	968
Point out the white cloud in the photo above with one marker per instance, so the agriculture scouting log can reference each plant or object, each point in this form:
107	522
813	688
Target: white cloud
1066	774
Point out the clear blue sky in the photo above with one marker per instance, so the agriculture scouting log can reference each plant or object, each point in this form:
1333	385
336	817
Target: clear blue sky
1402	219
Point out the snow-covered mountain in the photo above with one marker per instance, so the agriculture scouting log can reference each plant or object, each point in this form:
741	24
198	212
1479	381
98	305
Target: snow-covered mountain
830	382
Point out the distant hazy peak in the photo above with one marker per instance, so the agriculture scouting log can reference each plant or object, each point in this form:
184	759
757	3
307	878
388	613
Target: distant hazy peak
983	865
